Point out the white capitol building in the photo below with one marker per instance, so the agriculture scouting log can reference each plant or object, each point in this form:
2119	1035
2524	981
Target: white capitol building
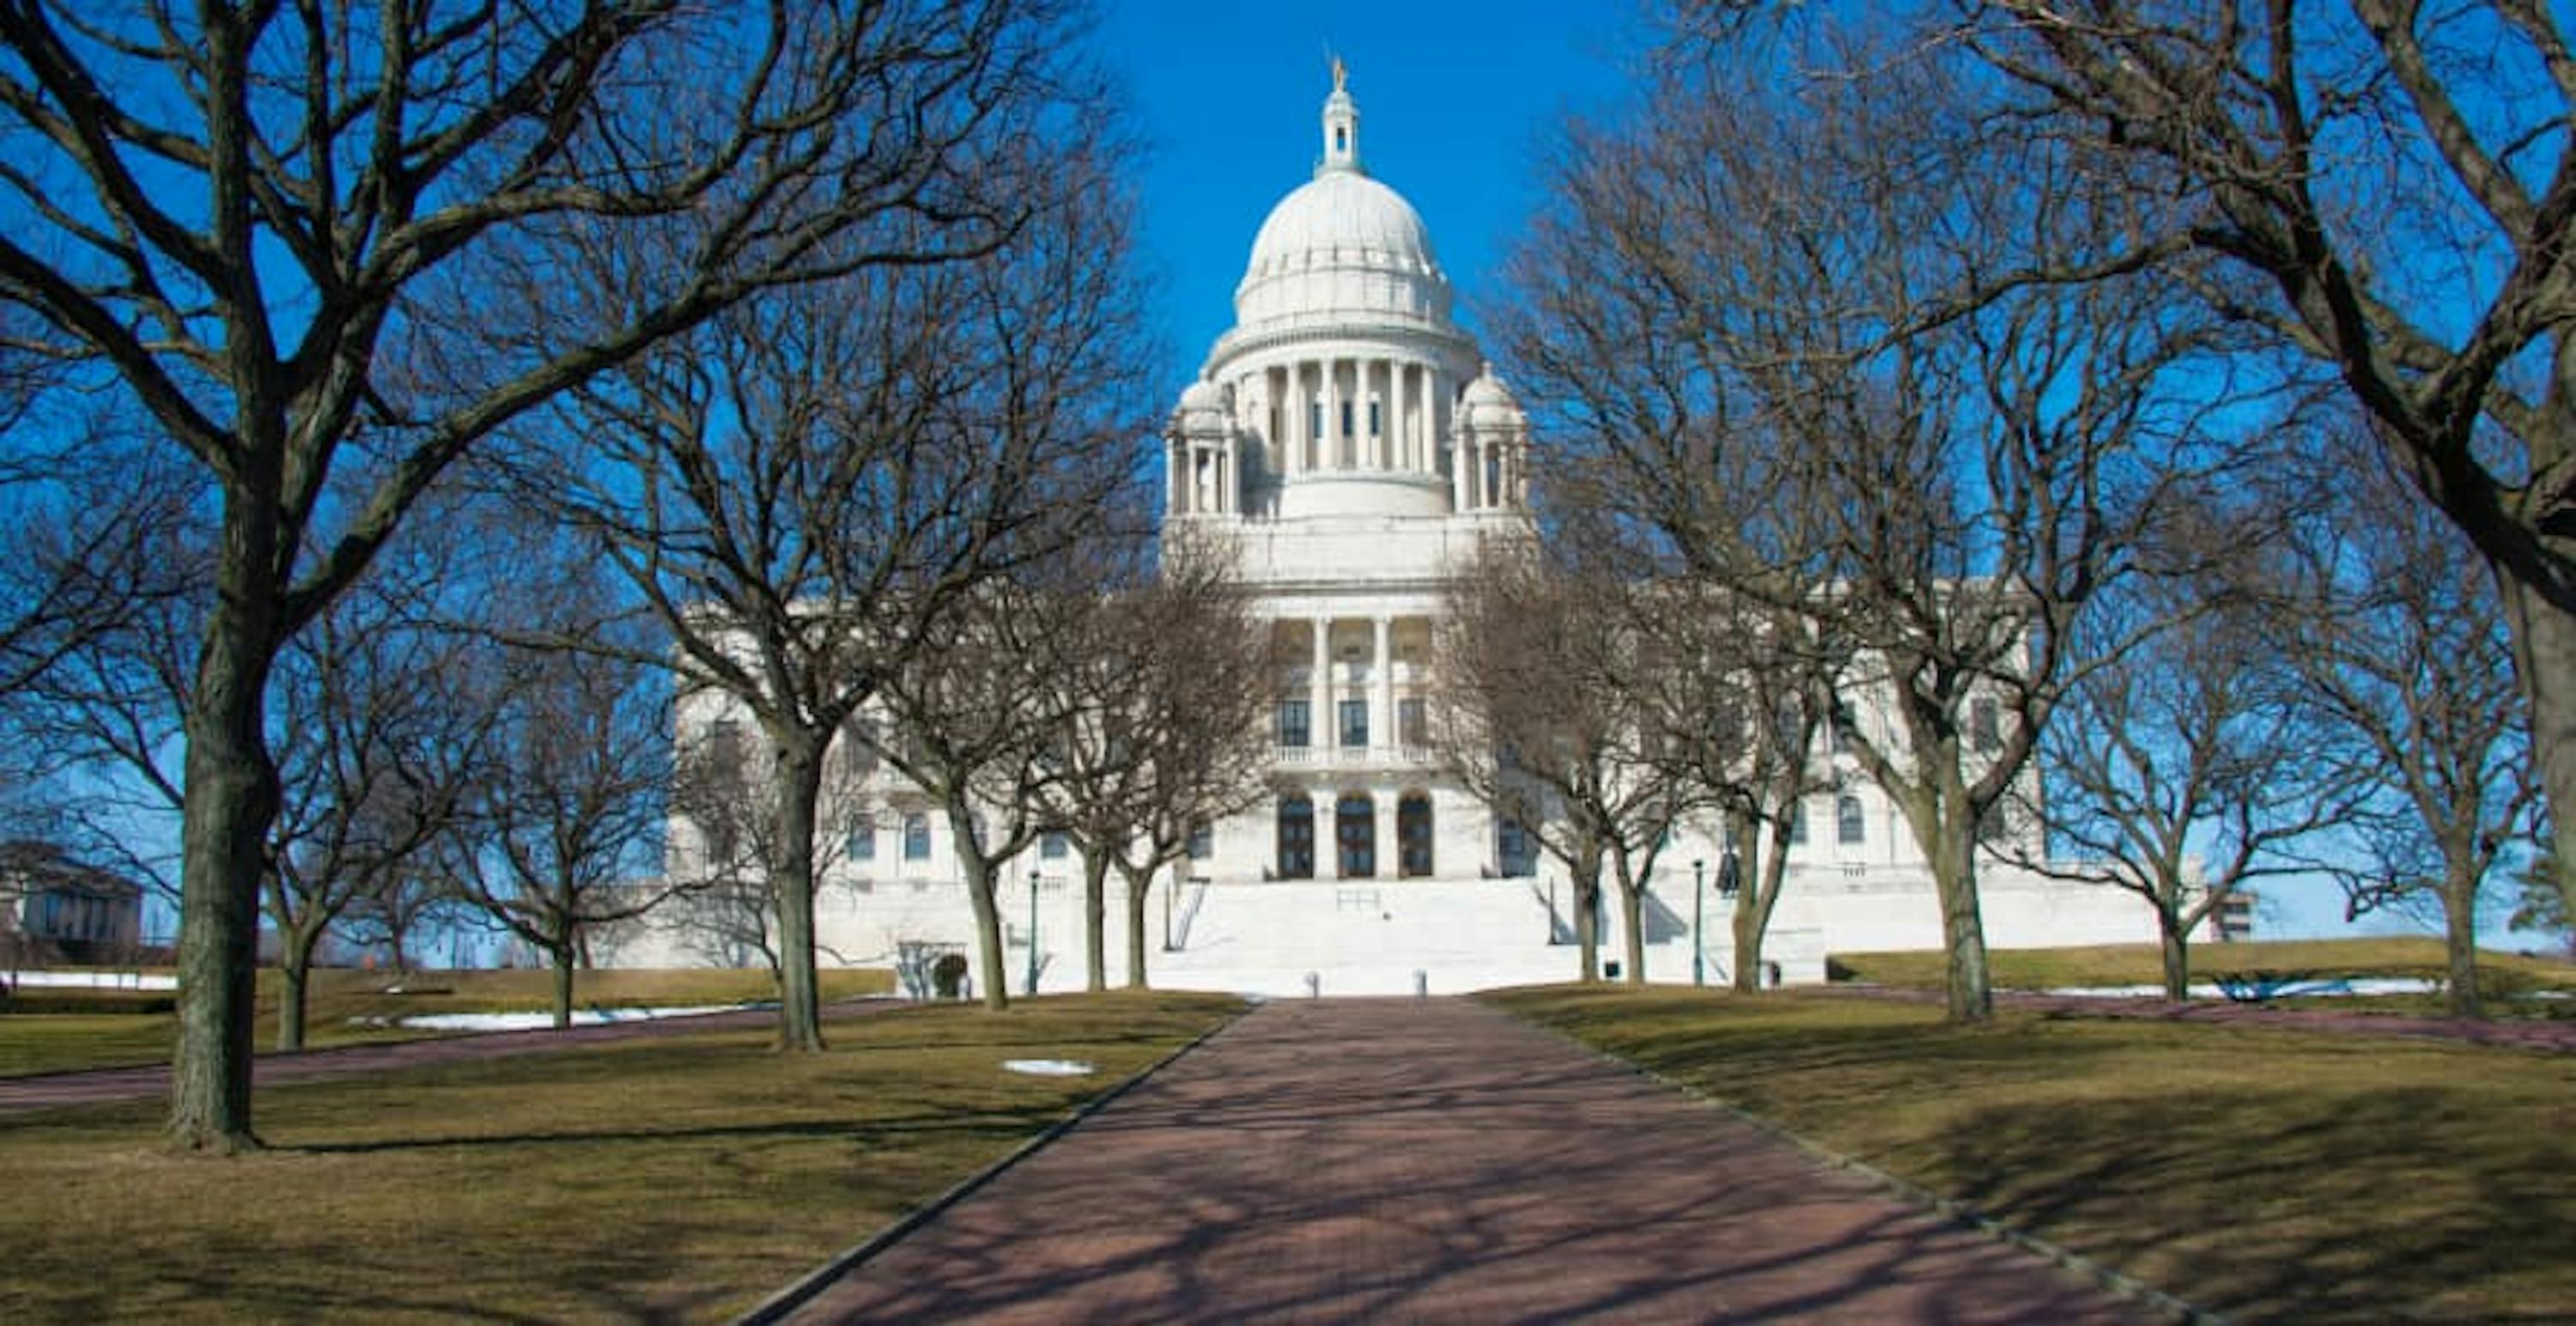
1348	440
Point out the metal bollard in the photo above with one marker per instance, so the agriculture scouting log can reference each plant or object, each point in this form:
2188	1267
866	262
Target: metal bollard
1421	983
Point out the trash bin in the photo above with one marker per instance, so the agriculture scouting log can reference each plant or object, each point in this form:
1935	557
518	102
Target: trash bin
1610	970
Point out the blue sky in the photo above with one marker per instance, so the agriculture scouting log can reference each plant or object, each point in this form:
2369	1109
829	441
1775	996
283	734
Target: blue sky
1455	101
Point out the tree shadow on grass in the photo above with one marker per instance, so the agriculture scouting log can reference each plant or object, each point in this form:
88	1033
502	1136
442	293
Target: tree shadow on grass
2284	1205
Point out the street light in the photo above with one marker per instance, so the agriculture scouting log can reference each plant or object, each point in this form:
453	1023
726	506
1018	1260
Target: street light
1699	943
1033	932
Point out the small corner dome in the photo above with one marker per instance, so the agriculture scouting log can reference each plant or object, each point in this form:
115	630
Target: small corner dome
1202	408
1487	403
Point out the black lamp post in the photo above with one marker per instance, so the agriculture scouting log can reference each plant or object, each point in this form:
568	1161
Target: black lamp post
1699	941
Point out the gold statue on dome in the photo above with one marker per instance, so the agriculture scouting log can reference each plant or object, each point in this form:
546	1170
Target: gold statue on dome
1341	73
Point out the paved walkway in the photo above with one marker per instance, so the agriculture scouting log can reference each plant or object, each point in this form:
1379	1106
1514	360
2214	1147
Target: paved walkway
47	1091
1400	1160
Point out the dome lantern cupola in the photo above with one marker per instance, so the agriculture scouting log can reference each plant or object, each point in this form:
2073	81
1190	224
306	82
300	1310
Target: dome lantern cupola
1341	126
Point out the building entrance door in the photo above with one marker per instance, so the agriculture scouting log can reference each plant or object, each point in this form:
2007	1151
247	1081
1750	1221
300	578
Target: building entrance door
1296	838
1355	829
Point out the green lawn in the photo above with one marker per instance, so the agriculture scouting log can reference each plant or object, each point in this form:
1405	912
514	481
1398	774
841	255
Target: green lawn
340	999
673	1179
2260	1173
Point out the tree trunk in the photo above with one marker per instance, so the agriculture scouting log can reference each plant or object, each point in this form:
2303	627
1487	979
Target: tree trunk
1095	921
2544	648
1587	930
1963	926
2460	942
1632	914
2176	933
988	922
1139	890
796	787
295	970
231	797
1757	896
561	953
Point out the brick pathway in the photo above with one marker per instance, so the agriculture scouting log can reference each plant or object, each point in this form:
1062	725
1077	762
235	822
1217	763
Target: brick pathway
1400	1160
47	1091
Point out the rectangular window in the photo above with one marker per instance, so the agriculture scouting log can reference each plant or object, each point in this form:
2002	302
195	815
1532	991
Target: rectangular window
1346	418
1411	724
1985	726
1374	429
1355	724
1293	730
1052	845
916	837
861	845
1202	841
1315	419
1798	821
1846	730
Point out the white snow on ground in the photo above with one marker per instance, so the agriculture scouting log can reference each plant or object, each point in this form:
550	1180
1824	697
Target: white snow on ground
1048	1067
581	1017
2372	985
92	980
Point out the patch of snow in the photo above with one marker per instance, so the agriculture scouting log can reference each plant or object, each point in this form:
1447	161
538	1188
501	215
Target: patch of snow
92	980
2366	985
1048	1067
581	1017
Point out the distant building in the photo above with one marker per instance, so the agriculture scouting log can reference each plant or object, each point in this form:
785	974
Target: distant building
1347	440
54	909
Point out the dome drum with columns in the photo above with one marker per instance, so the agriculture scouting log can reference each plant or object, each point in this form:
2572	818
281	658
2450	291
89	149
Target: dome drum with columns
1344	388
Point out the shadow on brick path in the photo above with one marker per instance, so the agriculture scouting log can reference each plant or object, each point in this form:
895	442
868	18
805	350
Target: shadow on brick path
1399	1160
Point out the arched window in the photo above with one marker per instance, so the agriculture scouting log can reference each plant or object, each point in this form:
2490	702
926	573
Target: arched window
916	836
1296	838
1413	836
1355	835
1848	825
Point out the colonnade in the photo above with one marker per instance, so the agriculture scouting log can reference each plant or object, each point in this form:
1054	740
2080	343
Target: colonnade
1324	711
1352	413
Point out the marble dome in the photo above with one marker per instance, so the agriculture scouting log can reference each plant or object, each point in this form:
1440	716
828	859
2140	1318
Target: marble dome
1341	248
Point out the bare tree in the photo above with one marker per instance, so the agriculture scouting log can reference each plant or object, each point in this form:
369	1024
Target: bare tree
2390	185
322	243
1557	711
977	730
550	844
804	489
2187	765
1943	481
381	732
1167	691
2402	641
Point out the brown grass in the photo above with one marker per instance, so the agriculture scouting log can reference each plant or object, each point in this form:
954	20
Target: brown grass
2258	1173
680	1178
341	1000
2142	964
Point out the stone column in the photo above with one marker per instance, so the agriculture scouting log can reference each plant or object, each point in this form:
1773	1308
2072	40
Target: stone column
1389	858
1382	704
1319	719
1382	439
1294	413
1329	455
1458	489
